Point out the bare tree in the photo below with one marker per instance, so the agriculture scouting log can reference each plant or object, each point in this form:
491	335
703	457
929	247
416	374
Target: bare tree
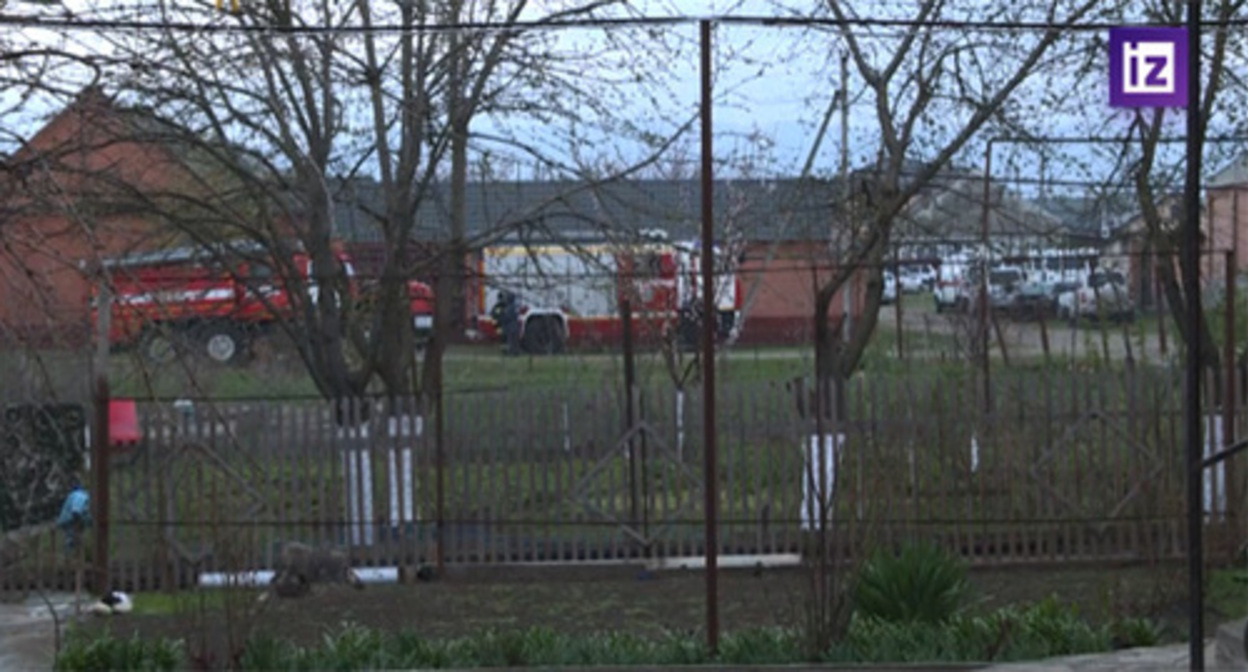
932	90
1151	174
291	102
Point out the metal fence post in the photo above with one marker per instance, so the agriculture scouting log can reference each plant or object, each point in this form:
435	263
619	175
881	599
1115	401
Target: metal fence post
100	497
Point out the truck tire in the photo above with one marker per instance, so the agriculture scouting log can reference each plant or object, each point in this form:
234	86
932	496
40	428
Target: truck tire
160	345
222	343
542	336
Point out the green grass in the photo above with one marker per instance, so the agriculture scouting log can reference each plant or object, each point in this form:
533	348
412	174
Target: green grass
1228	592
172	604
467	369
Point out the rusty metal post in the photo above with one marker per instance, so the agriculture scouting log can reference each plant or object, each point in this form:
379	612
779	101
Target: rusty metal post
1228	399
1044	339
630	412
434	354
1163	309
1191	283
100	499
984	340
901	351
709	469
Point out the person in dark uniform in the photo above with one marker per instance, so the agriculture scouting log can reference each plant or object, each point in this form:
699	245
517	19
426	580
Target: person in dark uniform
506	314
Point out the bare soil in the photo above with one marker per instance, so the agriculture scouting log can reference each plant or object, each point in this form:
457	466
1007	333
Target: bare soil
1030	338
589	601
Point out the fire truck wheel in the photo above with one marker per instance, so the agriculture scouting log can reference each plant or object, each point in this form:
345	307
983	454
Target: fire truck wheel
222	343
159	346
543	336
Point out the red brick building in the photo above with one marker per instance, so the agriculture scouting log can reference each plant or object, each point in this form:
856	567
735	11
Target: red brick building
70	196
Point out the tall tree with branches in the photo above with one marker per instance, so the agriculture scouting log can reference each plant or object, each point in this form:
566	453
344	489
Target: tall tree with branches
933	89
285	103
1151	176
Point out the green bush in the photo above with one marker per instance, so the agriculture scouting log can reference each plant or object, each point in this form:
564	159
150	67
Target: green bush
920	584
1130	633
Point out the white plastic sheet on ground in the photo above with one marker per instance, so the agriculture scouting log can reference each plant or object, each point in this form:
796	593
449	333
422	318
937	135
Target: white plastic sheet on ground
811	477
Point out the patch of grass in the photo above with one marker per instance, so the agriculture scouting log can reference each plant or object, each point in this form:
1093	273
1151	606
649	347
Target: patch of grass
1228	592
167	604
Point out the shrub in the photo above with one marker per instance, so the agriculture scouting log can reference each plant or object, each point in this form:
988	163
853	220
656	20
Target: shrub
109	653
1129	633
761	647
921	583
1041	630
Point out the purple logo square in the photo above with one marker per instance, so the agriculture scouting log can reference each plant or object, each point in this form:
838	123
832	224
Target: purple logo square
1148	67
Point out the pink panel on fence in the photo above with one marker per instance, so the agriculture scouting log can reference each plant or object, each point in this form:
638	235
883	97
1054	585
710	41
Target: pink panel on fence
123	422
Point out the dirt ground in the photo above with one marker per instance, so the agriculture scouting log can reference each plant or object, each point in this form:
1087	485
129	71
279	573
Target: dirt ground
626	600
1026	338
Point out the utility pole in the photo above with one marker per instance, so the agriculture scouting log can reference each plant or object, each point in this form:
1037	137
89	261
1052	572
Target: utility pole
710	470
1192	381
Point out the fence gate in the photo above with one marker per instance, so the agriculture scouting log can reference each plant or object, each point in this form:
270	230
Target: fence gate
185	501
642	486
1107	468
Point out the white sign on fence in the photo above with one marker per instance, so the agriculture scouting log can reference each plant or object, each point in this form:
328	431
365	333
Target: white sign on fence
358	469
812	479
1215	476
402	478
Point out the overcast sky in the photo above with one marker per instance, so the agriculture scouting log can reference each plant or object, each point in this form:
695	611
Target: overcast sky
773	86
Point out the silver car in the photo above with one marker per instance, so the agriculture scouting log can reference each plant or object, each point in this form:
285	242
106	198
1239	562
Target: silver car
1103	294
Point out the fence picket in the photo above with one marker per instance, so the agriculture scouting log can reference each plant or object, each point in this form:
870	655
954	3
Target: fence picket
1072	465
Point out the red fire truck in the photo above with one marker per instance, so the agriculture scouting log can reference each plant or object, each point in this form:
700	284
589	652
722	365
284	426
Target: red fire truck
571	293
185	299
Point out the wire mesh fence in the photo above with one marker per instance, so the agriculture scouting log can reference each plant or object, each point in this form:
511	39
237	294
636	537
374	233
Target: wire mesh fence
1067	466
442	302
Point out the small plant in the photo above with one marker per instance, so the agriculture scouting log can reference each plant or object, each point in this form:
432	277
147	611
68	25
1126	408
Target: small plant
761	647
110	653
921	583
1130	633
1037	631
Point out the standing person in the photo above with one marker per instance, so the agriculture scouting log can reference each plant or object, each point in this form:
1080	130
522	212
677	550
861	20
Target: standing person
75	515
506	314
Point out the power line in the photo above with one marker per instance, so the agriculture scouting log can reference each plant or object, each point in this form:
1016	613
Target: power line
136	25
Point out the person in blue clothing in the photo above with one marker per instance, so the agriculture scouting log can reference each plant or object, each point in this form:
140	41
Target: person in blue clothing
75	515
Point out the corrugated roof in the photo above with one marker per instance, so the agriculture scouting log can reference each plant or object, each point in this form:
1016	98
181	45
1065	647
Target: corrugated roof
1233	175
749	209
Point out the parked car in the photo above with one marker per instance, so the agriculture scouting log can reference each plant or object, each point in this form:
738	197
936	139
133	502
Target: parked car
1038	300
947	285
1103	294
946	293
1003	286
962	295
915	279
